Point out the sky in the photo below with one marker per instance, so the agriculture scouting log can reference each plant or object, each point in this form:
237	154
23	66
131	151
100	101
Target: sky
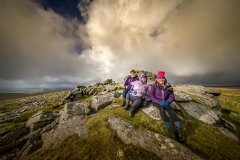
57	43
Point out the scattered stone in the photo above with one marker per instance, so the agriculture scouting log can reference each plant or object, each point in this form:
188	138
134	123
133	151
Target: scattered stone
117	94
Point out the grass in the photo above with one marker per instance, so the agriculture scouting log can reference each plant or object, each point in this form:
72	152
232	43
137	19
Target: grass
85	98
230	103
229	99
9	126
103	143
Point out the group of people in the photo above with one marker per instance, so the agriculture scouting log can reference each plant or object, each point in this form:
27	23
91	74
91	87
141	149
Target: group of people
161	95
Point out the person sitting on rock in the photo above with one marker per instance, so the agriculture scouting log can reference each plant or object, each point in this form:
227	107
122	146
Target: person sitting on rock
127	85
138	90
162	95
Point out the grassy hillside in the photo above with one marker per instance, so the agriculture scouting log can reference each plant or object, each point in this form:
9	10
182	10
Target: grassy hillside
230	103
103	143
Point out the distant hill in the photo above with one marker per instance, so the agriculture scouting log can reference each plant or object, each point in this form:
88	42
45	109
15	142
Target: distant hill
27	93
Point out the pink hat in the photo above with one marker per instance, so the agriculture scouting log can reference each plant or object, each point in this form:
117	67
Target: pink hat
161	74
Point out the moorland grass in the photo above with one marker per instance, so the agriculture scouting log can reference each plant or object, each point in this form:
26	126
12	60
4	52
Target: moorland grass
103	143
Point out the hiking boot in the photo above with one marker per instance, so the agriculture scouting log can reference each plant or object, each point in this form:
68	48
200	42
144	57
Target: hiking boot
127	105
171	132
123	102
181	135
130	114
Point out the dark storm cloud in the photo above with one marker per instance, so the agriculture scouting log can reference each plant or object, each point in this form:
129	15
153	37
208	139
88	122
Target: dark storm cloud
39	46
194	41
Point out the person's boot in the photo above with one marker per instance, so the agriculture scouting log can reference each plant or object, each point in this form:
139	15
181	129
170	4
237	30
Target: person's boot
123	102
130	114
171	132
126	105
180	134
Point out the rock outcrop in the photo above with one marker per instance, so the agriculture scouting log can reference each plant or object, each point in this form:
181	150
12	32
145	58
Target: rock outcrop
162	146
46	129
77	93
74	108
101	101
75	124
40	120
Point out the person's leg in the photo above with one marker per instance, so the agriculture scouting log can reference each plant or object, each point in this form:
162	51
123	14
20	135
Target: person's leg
127	101
165	120
137	101
162	114
144	104
176	122
124	93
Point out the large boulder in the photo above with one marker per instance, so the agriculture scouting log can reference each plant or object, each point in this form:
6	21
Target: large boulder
162	146
74	108
200	94
101	101
40	120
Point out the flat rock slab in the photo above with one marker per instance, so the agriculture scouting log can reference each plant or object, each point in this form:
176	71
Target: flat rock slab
181	96
40	116
162	146
75	124
152	111
200	112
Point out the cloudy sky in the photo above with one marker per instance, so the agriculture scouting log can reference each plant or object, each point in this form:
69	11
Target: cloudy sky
57	43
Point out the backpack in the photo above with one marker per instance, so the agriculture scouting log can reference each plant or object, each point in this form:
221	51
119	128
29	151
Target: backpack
168	88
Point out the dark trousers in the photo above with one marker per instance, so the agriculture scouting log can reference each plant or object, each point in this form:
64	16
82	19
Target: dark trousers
125	94
136	103
163	113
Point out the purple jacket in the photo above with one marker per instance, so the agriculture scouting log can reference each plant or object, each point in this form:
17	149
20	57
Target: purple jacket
129	80
158	94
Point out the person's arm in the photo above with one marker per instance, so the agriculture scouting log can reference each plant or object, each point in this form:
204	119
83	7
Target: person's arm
152	94
126	82
171	98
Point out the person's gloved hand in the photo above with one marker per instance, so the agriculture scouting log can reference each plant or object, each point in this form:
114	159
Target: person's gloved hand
161	103
164	104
